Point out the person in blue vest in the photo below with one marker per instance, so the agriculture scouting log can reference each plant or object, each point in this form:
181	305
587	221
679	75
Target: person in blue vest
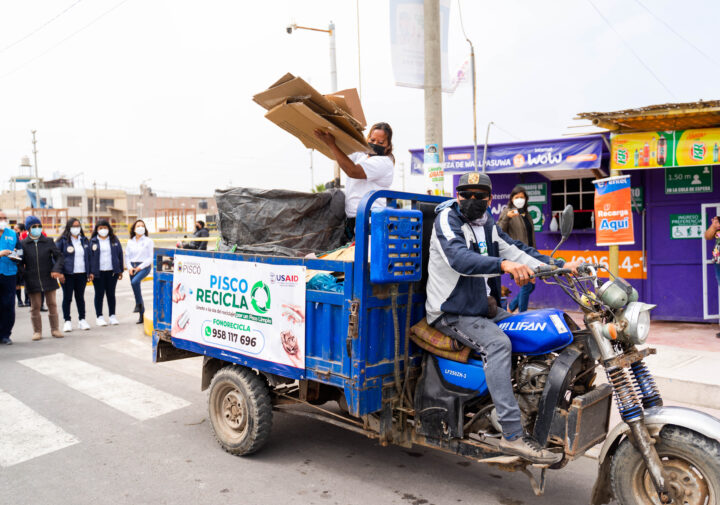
106	267
8	273
76	267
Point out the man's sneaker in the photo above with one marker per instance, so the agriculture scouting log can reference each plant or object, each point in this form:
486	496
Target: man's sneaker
529	449
101	321
67	327
6	341
83	325
113	320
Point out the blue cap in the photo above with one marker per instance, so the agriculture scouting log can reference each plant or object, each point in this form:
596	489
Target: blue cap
31	221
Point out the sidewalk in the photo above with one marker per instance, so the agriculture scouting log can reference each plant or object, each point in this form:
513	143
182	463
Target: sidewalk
686	364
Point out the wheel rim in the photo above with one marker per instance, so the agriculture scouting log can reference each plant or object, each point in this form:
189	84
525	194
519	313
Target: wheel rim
684	479
231	412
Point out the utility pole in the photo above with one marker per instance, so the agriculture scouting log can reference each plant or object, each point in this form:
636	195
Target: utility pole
37	177
487	136
433	79
95	204
614	250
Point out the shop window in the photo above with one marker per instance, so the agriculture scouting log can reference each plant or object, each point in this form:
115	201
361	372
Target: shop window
580	193
74	201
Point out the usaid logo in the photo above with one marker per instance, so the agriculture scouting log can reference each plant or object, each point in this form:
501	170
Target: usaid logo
285	279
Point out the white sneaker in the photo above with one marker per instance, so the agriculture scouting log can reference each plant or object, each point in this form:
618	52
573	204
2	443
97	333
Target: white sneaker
113	320
101	321
67	327
83	325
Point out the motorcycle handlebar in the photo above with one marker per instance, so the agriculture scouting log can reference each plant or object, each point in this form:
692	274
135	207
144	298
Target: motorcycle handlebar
552	271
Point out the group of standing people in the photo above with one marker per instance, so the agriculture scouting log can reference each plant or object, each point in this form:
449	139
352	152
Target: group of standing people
30	259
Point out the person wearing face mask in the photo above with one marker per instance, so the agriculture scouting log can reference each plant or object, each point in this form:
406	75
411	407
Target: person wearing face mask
21	301
76	267
43	263
8	279
106	269
200	232
365	172
468	254
139	260
517	223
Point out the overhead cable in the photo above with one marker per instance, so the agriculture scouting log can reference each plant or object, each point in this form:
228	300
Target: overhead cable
12	44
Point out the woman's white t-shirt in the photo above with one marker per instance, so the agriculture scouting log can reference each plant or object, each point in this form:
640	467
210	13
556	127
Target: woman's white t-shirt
379	173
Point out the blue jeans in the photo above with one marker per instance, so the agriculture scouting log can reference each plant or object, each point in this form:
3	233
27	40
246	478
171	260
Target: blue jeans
520	302
135	281
7	305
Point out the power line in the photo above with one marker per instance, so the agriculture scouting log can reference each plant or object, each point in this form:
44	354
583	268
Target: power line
497	126
631	49
669	27
95	20
12	44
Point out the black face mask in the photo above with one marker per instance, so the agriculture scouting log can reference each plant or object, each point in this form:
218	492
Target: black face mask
473	209
379	150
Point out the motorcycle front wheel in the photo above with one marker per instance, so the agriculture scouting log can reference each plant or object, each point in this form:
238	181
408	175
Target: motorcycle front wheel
691	465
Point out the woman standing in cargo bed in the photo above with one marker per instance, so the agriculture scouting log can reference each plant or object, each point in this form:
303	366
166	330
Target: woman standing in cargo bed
365	172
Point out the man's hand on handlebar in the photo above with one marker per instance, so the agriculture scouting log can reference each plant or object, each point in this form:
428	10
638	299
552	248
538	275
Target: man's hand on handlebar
573	266
521	273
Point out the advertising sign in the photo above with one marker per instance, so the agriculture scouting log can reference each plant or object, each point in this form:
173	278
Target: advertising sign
536	215
665	149
433	169
613	211
407	42
638	199
684	226
536	191
546	155
630	262
254	309
683	180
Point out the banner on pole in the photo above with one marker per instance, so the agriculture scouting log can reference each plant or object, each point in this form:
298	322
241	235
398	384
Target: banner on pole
613	211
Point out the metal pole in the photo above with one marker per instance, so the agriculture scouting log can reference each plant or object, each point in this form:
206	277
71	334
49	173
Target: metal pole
333	82
487	136
357	15
614	250
474	94
433	79
95	203
37	177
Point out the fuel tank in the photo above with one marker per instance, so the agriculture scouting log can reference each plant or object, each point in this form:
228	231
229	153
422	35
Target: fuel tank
537	331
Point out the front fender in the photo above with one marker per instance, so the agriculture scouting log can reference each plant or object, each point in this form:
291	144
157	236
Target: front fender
655	419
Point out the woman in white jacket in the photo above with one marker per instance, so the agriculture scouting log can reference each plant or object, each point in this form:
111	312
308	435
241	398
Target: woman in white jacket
139	261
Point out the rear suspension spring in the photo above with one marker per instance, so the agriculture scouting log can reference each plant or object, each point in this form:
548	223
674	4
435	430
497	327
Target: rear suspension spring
645	386
627	401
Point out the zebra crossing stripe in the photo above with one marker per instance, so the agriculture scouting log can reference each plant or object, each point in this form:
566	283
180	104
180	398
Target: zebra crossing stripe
143	351
131	397
25	434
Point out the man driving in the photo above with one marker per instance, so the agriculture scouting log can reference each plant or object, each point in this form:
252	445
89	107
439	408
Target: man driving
468	253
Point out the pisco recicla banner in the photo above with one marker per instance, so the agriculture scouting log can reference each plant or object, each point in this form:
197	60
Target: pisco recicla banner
254	309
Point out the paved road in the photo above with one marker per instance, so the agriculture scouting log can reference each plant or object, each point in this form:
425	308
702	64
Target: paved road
90	420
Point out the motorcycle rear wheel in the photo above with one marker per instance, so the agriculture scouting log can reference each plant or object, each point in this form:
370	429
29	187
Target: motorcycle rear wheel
692	470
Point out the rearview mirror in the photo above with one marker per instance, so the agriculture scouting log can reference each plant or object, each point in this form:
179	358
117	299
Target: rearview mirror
567	221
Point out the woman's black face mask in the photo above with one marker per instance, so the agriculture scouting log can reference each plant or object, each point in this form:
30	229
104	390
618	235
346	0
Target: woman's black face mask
473	209
379	150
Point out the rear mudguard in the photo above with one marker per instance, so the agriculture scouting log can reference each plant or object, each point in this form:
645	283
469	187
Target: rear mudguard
655	419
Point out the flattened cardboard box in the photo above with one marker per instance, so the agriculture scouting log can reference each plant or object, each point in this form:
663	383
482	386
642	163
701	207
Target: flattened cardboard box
299	109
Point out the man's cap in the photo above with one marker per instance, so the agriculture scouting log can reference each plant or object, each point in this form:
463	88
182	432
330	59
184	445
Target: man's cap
474	180
30	221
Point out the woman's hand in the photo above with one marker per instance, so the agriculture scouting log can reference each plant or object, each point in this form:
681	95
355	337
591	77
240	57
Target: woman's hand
327	137
120	276
131	271
90	277
58	276
513	213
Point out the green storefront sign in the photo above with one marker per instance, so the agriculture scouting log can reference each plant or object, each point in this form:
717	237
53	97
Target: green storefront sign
638	199
685	226
684	180
536	192
536	215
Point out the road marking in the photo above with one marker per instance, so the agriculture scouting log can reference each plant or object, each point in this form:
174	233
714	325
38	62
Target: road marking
126	395
25	434
143	351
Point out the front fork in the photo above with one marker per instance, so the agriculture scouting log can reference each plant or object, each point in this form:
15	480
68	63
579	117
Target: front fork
634	392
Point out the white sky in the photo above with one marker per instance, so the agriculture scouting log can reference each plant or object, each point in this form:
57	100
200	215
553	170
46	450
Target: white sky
162	89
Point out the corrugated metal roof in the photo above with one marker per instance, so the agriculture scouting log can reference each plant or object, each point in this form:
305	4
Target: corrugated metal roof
669	116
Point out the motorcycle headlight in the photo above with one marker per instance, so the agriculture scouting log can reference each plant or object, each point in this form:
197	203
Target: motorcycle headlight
615	293
637	321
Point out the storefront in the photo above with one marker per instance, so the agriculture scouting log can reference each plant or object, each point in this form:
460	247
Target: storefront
664	264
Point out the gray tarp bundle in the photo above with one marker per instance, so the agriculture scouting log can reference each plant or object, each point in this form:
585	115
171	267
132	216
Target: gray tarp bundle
280	222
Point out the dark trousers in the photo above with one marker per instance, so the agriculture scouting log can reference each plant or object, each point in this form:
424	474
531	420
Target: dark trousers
7	305
74	285
135	281
105	287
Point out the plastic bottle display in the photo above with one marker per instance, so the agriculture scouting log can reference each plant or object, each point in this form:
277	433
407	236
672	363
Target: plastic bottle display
662	151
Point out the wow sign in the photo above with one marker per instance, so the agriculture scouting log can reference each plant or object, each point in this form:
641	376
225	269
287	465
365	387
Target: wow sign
613	211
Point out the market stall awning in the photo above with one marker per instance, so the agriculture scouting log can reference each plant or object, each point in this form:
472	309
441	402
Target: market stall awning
555	159
669	116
